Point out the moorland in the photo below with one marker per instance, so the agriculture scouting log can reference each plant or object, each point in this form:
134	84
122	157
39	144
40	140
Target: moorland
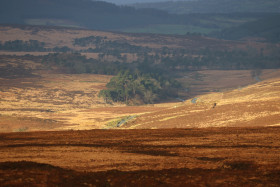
107	108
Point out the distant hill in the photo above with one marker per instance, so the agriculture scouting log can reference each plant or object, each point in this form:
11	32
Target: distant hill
80	13
128	2
267	28
214	6
98	15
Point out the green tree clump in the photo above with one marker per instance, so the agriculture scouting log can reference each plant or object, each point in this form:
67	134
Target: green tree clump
135	87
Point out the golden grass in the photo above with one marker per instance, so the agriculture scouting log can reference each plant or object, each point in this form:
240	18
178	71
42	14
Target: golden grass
254	105
66	99
54	37
72	100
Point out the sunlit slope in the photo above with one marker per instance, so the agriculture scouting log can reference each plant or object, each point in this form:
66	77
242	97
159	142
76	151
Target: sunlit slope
255	105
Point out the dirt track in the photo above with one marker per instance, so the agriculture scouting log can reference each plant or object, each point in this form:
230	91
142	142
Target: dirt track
199	157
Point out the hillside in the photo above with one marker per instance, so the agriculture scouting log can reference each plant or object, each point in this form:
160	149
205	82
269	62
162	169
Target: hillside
267	29
100	15
218	127
43	100
51	76
76	39
88	14
255	105
214	6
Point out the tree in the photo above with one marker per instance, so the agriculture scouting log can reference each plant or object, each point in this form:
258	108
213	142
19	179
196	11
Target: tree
136	87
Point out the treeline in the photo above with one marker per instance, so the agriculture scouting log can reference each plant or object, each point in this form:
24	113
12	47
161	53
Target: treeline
135	83
19	45
76	63
90	40
136	87
30	46
102	45
218	59
166	60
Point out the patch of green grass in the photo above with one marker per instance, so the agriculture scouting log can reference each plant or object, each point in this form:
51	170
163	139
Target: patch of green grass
22	129
119	122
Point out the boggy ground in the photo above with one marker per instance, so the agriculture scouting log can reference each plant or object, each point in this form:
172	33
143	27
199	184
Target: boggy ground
163	157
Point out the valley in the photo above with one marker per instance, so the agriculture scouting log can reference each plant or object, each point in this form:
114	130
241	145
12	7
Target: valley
37	94
219	127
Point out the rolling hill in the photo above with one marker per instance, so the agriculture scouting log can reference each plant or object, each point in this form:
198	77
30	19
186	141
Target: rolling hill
57	90
214	6
267	28
100	15
56	131
255	105
86	13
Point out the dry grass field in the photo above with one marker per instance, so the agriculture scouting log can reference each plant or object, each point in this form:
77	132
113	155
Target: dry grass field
254	105
59	37
64	101
58	98
46	100
162	157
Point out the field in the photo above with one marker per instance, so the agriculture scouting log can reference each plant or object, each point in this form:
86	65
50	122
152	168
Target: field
254	105
59	37
49	100
177	157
